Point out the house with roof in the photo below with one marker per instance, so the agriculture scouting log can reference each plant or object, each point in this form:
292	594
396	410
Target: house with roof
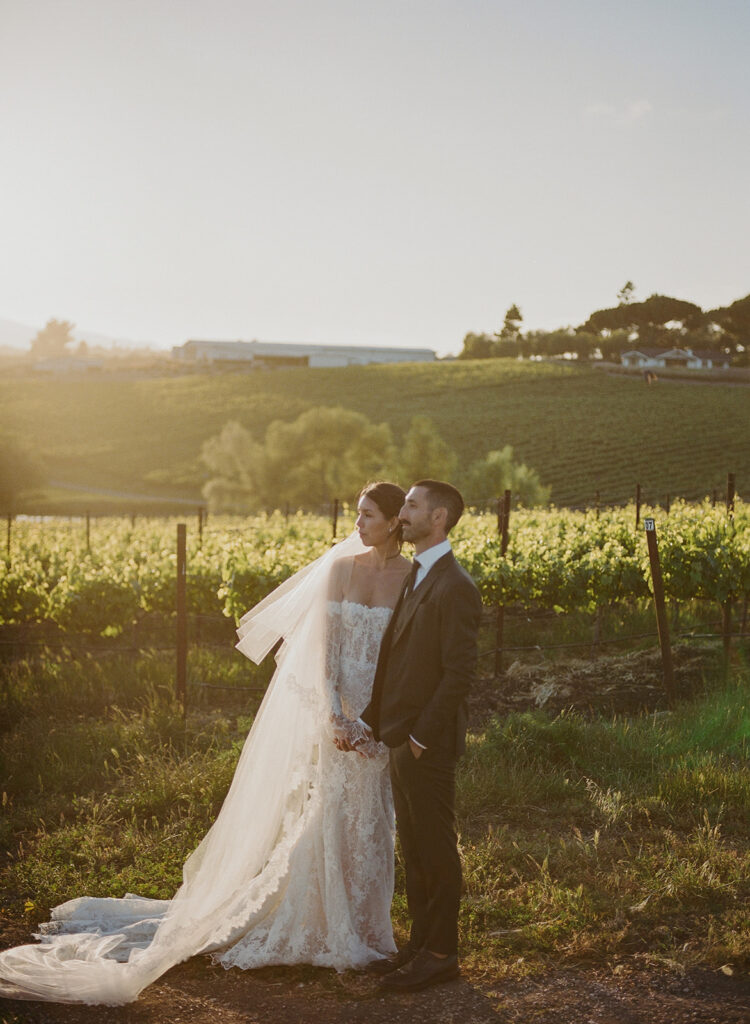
660	358
244	355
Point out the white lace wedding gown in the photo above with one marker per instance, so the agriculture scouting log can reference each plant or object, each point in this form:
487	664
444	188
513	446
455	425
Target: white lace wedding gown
312	883
330	904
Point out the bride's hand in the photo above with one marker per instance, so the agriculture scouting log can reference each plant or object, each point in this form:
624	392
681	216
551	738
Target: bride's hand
349	735
370	748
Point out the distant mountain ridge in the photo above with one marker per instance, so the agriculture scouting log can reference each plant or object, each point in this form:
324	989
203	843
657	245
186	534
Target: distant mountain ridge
15	335
18	336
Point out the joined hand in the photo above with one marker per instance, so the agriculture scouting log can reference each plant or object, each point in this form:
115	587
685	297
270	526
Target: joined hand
352	736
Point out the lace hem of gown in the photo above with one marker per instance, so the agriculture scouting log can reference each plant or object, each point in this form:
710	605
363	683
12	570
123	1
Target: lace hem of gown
321	897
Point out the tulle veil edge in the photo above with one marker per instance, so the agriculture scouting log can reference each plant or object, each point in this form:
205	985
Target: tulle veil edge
263	808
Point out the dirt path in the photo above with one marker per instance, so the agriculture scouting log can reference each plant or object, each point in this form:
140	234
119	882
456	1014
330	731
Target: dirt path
198	993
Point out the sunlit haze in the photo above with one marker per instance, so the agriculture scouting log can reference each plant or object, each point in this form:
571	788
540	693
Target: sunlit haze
395	173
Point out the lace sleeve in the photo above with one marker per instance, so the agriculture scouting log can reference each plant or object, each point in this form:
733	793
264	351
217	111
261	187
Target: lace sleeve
334	628
341	728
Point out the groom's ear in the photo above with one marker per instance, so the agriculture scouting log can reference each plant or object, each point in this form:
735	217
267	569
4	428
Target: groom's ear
440	516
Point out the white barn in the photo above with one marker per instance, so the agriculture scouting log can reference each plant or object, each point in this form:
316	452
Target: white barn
266	354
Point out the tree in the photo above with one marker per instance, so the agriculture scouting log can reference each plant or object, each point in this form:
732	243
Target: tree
423	454
511	329
556	343
20	472
327	452
734	322
648	319
613	344
625	294
478	346
497	472
52	341
235	462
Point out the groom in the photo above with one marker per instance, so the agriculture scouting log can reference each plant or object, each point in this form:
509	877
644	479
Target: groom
418	709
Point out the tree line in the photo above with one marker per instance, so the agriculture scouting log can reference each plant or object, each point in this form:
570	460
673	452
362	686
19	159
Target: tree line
660	321
330	452
56	341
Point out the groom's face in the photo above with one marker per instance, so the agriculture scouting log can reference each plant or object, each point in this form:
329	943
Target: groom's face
416	516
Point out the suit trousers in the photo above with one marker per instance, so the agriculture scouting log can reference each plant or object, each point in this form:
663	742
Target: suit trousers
424	791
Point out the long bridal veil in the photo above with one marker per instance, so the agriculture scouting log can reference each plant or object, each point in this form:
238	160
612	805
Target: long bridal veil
109	950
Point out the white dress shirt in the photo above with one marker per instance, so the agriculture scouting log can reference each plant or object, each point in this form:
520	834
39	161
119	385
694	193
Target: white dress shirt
425	561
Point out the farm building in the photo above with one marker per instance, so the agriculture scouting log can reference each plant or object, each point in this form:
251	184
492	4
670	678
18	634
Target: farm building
659	358
267	354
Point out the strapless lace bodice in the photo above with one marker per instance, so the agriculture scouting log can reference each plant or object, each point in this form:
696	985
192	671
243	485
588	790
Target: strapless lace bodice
355	634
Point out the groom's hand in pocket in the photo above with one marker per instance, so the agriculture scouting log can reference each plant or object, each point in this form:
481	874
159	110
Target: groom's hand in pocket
416	750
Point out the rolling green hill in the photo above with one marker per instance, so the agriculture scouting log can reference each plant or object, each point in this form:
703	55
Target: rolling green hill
583	430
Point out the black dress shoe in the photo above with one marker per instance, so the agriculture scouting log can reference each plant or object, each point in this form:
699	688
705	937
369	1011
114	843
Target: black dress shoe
389	964
424	970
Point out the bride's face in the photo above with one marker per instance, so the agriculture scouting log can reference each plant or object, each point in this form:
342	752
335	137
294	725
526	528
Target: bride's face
373	527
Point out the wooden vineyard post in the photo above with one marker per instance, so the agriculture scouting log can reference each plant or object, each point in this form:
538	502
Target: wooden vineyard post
726	608
8	538
181	678
730	495
726	633
637	505
598	506
597	631
88	531
334	519
503	519
662	624
200	526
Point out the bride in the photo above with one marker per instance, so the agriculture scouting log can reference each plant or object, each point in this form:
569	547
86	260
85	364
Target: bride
298	866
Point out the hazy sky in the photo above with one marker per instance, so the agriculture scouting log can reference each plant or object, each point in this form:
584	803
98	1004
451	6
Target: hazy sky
383	172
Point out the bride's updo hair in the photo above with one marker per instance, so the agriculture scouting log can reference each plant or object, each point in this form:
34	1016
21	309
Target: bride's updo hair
388	497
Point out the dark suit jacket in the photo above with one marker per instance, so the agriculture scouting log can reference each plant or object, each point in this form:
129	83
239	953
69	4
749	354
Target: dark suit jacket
427	662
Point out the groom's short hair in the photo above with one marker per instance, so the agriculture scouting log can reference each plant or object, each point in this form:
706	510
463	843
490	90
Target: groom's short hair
443	495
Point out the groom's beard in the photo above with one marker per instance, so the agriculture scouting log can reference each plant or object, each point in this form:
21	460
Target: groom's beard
412	533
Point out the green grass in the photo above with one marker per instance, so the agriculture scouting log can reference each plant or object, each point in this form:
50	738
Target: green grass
597	839
592	839
105	786
583	430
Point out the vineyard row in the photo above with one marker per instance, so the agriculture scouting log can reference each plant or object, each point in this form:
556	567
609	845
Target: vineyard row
555	559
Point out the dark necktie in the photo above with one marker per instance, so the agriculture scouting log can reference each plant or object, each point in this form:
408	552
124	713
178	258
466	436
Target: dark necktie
404	596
